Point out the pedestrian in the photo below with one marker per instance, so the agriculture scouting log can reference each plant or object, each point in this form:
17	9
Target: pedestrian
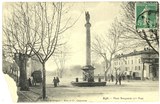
119	79
99	78
116	78
55	82
112	77
134	75
29	81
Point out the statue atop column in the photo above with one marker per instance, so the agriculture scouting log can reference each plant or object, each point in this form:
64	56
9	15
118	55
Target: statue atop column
87	16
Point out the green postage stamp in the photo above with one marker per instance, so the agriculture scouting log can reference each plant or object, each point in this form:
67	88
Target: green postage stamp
146	15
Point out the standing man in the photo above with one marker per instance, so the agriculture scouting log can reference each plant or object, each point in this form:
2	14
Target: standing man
57	79
116	78
112	77
55	82
119	79
29	81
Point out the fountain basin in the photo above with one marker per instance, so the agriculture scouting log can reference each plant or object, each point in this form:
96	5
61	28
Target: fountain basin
88	84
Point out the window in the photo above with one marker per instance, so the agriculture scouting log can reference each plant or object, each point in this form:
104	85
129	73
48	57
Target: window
139	61
139	67
135	67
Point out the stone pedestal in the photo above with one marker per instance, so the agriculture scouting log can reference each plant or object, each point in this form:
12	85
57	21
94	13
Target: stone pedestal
88	73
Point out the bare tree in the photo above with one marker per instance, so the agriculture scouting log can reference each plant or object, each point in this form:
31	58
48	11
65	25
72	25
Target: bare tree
108	45
143	37
19	30
53	21
60	60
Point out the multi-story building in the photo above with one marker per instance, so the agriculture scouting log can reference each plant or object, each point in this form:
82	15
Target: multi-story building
137	64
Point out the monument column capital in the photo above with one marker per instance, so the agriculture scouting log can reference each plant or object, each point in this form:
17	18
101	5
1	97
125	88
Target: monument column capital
87	25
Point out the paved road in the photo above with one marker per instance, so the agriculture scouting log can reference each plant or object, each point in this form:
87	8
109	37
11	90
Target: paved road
138	90
129	91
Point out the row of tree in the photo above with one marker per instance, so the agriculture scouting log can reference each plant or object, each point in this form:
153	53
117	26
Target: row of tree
35	29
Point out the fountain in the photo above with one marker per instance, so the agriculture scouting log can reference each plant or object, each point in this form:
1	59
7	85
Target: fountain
88	69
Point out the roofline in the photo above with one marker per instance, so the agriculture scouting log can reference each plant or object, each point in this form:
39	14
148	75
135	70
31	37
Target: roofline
136	53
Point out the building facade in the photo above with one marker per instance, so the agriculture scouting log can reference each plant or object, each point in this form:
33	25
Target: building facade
137	64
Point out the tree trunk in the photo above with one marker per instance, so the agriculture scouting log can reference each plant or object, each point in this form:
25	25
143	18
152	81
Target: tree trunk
107	67
17	77
23	75
44	82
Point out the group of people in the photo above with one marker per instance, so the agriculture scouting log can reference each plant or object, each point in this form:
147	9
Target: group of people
56	81
118	78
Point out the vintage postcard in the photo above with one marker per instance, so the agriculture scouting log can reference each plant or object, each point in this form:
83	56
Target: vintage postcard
80	51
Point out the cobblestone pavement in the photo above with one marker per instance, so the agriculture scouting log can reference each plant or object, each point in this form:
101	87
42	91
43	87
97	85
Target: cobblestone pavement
129	91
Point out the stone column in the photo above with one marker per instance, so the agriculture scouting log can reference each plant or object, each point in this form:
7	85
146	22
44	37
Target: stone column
88	39
88	44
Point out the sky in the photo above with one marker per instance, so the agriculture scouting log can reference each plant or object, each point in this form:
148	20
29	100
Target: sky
102	14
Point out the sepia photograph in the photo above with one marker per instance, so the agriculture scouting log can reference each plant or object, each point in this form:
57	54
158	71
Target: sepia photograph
83	51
